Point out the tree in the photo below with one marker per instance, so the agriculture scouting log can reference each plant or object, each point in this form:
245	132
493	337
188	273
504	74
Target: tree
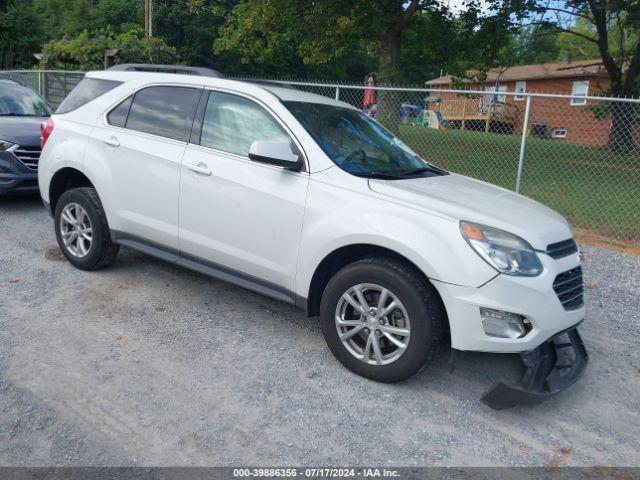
20	34
63	17
574	43
539	44
321	31
438	41
613	28
120	16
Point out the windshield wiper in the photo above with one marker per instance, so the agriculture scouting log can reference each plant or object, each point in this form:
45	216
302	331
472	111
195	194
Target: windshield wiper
405	174
381	176
419	170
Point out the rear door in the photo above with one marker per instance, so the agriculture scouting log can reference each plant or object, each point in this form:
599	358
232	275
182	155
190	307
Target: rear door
140	151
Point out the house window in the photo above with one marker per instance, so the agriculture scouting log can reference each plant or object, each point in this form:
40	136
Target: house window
487	99
521	87
579	88
559	133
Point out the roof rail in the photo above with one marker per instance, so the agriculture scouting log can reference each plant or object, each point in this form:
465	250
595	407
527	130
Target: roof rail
148	67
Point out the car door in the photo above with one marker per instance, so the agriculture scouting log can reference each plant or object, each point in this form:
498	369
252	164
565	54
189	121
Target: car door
140	154
236	215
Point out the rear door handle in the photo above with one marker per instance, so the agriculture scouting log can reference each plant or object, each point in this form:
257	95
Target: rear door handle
200	168
112	141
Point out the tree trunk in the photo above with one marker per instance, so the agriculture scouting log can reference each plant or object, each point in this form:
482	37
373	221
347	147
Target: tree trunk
623	118
623	115
388	106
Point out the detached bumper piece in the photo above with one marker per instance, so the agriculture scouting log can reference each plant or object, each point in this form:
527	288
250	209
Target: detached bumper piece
550	368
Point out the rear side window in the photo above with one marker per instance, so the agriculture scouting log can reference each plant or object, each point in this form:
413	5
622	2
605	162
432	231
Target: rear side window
88	89
164	111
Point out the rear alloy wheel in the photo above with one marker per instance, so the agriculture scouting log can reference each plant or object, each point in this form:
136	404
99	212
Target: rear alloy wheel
381	318
76	230
82	230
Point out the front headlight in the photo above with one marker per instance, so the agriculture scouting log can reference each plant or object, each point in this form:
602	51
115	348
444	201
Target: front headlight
4	145
504	251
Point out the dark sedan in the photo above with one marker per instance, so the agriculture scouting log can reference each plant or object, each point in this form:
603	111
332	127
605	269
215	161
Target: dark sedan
21	112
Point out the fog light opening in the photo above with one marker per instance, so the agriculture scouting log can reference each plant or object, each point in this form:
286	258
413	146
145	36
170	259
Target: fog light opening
500	324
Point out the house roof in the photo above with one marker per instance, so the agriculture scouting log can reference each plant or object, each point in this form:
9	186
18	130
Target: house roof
540	71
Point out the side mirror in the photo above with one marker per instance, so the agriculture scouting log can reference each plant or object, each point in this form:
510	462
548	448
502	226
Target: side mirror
275	153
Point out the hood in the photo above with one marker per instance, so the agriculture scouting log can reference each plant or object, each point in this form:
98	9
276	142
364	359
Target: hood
464	198
25	131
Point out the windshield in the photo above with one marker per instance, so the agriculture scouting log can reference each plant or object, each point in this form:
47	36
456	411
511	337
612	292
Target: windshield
359	145
19	101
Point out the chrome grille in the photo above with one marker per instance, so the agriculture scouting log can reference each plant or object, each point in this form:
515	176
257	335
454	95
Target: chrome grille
562	249
29	156
568	286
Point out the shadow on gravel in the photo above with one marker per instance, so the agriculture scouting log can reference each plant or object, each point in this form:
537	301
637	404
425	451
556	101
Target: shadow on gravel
473	372
20	201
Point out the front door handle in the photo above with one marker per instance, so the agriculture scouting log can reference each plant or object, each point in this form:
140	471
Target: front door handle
111	141
200	168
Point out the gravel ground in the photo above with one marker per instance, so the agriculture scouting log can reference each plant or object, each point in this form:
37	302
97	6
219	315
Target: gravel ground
146	363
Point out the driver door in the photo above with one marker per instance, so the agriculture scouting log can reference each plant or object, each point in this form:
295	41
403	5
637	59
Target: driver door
238	216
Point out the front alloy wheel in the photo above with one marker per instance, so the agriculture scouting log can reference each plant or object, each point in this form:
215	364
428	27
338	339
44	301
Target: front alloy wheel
373	324
381	318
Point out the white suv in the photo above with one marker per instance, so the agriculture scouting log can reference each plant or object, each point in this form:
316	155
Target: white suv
308	200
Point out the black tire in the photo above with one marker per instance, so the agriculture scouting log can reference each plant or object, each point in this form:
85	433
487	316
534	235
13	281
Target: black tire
421	301
103	251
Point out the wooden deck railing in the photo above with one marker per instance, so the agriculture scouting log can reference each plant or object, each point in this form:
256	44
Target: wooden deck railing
481	108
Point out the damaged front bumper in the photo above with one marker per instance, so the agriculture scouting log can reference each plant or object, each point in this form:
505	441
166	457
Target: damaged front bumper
550	368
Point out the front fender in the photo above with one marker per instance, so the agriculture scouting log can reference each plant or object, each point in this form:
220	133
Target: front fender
431	241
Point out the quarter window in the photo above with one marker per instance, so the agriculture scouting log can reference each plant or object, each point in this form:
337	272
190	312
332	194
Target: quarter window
118	116
164	111
232	123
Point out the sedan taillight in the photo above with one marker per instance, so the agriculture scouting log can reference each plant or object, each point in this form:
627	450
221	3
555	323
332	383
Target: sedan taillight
46	128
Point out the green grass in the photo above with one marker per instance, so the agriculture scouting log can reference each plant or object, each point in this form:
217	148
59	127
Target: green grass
594	188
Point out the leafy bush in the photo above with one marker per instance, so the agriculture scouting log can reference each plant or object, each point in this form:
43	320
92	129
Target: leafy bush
86	51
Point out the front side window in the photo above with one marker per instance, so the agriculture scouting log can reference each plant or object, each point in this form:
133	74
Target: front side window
359	145
19	101
88	89
165	111
579	88
232	123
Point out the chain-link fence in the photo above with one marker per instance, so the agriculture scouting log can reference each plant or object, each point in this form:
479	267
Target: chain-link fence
53	85
579	155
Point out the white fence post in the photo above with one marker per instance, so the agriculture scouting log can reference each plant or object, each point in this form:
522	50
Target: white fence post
337	93
523	143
